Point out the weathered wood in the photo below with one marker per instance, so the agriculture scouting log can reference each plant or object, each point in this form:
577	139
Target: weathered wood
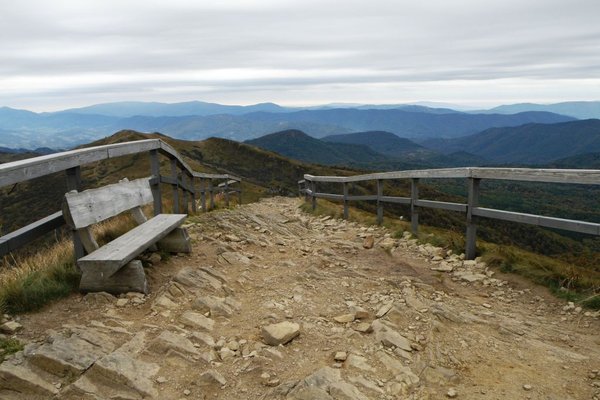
177	241
185	191
240	193
329	196
87	240
24	170
345	191
211	194
379	203
396	200
112	256
366	197
442	205
74	184
414	210
313	191
227	194
589	228
26	234
138	215
473	202
155	185
130	278
174	186
203	194
194	194
95	205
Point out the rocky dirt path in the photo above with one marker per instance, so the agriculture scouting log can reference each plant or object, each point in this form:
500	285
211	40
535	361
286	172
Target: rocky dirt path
276	304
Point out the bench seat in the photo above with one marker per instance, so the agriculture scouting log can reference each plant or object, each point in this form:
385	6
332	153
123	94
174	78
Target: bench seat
109	258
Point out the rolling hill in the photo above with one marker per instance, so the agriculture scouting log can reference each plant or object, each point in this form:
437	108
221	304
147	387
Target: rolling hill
382	142
527	144
299	146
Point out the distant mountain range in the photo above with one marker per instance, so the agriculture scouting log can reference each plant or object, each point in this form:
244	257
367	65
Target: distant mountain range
527	144
197	120
576	109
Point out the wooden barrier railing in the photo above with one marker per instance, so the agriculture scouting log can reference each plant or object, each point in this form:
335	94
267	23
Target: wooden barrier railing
471	208
182	178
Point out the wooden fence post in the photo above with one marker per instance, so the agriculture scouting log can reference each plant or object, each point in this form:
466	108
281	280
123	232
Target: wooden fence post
74	183
313	185
211	192
379	202
473	201
345	200
193	187
203	194
174	186
155	170
305	190
240	193
414	210
186	206
227	192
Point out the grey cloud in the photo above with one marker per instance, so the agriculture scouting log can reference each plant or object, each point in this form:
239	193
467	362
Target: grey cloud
384	41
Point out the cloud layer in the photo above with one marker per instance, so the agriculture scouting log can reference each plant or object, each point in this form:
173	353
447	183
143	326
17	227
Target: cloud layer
70	53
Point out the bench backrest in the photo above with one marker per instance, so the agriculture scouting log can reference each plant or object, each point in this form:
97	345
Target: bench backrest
82	209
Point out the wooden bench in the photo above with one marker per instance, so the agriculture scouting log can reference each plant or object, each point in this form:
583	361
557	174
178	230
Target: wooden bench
112	267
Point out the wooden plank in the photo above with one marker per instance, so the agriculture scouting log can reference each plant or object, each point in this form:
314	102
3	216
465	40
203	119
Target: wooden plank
367	197
396	200
379	203
26	234
329	196
74	183
589	228
112	256
345	190
23	170
443	205
95	205
87	240
301	181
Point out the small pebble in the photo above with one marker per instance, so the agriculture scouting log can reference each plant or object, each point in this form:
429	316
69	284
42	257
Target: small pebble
452	393
527	387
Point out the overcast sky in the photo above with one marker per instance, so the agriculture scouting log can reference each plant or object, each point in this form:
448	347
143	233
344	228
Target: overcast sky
58	54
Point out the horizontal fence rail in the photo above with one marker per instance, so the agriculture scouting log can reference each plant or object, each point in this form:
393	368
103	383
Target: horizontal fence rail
182	178
308	187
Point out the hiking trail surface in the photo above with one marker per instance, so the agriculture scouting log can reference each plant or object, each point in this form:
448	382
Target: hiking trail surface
274	303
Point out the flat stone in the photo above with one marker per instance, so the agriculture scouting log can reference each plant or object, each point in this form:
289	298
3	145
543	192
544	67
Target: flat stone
99	298
65	356
211	378
197	320
344	318
235	258
360	313
443	267
197	278
122	302
121	369
280	333
217	306
10	327
340	356
17	378
363	327
402	373
384	310
359	362
168	340
345	391
390	338
165	302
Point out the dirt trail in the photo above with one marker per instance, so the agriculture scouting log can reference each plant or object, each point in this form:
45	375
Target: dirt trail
362	323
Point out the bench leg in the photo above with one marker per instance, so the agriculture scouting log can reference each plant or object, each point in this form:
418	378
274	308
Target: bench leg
178	241
130	278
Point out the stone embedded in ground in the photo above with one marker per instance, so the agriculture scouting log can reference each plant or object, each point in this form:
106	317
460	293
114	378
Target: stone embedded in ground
452	393
168	340
344	318
443	267
360	312
217	306
197	320
402	373
165	302
20	380
391	338
281	333
340	356
388	244
10	327
210	378
368	242
65	356
99	298
235	258
384	310
345	391
363	327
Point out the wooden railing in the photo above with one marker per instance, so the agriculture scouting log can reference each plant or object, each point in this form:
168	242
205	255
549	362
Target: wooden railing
308	186
182	177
